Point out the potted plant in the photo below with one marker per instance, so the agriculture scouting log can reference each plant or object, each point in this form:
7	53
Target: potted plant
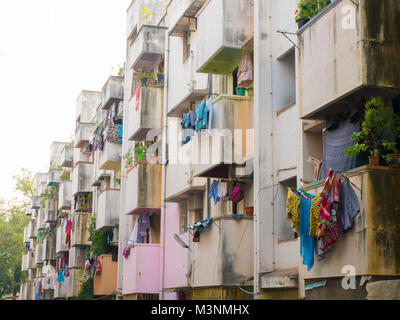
379	130
307	9
250	90
128	157
160	74
140	153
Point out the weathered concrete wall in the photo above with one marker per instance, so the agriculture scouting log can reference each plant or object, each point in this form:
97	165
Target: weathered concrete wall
86	105
230	23
108	204
227	245
113	91
80	230
145	183
366	54
148	116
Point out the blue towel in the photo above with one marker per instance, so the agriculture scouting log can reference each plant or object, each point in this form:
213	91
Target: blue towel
306	242
214	192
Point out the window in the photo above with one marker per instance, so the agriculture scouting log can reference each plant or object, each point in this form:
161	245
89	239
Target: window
282	225
284	88
183	216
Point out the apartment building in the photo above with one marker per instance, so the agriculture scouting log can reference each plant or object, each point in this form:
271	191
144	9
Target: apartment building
190	176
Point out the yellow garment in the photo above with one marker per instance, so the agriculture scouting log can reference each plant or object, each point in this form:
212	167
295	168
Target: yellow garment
293	208
315	220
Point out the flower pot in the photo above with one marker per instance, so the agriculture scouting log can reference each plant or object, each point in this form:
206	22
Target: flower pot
302	21
373	160
240	91
143	80
250	92
393	160
249	211
160	78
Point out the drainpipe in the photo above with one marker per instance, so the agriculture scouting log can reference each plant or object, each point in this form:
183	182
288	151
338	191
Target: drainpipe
164	162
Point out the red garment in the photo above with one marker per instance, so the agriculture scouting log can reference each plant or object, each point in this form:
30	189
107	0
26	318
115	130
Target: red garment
69	227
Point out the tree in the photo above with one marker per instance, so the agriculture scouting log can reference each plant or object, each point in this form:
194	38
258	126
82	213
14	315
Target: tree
12	224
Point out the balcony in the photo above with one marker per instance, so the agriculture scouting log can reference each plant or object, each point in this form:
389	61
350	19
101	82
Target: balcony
32	231
371	247
67	156
32	260
80	155
39	257
106	283
231	24
38	180
113	91
28	210
86	106
26	234
231	141
70	286
25	262
228	245
80	230
145	183
181	16
82	176
142	270
49	248
65	196
107	209
50	211
83	134
40	222
53	178
137	15
35	202
76	258
149	114
358	61
181	183
110	157
60	240
148	48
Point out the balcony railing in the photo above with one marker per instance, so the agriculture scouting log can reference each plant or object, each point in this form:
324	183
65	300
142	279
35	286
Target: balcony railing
145	182
32	231
110	157
26	234
143	12
28	210
106	283
228	244
148	48
50	212
53	177
67	156
355	55
149	113
82	176
371	246
113	91
231	140
107	209
65	195
31	260
231	25
39	257
60	240
83	134
181	16
142	270
80	230
49	248
76	258
25	262
35	202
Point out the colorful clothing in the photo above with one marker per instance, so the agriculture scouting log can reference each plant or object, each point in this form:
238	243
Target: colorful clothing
292	208
307	243
315	220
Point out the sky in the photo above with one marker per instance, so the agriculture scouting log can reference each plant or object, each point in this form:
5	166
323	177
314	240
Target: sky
50	50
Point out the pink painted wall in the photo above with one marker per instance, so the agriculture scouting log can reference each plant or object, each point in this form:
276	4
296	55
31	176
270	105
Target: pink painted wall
175	256
142	270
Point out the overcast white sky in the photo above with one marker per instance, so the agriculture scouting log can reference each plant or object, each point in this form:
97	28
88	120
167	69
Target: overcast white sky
50	50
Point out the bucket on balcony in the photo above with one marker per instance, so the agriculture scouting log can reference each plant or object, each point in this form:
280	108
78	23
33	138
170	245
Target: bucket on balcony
240	91
249	211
